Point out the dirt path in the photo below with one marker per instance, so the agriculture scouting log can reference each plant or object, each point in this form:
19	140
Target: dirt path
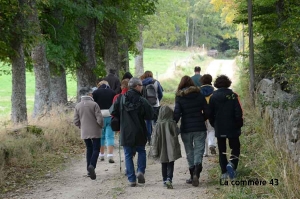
221	67
110	183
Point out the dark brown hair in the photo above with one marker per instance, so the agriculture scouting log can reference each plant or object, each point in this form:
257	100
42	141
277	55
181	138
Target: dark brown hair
222	81
197	69
185	81
206	79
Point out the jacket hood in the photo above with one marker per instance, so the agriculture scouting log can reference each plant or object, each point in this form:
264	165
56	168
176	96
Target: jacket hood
165	114
224	94
147	81
206	90
132	100
189	92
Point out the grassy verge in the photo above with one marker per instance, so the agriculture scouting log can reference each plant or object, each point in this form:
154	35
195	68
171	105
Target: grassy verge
261	161
32	152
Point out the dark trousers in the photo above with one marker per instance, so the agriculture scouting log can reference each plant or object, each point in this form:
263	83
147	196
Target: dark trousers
167	170
234	144
92	151
150	123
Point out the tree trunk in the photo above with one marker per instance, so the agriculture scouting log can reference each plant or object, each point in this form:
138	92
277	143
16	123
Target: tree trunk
111	47
251	53
85	74
42	104
124	56
139	59
187	33
58	85
193	32
18	96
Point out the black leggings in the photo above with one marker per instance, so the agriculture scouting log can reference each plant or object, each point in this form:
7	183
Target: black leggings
234	144
167	170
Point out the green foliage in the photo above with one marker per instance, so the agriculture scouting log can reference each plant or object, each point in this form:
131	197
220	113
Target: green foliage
15	27
167	25
277	39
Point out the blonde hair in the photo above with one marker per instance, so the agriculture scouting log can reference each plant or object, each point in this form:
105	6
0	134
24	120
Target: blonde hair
102	82
124	83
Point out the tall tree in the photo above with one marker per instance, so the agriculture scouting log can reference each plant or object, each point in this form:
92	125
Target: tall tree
86	76
251	53
139	58
42	104
111	48
15	37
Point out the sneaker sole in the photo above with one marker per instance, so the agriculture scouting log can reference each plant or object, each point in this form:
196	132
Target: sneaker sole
230	171
141	178
91	170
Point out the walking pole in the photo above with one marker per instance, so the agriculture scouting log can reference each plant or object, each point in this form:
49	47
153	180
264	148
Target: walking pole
120	152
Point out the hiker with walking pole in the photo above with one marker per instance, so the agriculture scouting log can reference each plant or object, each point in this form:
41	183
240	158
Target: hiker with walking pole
133	110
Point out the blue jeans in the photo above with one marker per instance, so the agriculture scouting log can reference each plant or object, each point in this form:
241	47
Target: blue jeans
108	135
92	151
141	161
149	128
194	144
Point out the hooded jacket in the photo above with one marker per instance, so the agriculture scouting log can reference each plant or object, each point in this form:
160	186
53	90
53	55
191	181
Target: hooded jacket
159	89
192	108
164	138
206	90
226	113
135	110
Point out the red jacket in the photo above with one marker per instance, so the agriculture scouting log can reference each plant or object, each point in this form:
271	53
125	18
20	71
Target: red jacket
124	90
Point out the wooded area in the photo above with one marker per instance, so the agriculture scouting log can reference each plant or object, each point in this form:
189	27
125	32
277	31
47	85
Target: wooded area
88	37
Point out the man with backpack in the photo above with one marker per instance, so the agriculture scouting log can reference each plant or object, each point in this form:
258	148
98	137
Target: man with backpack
133	110
153	92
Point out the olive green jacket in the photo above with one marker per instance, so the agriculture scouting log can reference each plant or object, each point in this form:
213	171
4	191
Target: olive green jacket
165	142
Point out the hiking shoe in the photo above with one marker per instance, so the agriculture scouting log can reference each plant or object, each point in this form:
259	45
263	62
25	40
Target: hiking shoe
231	171
101	157
111	160
132	184
169	184
224	176
92	173
140	177
213	150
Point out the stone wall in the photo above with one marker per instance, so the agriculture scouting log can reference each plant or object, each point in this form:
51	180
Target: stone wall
277	104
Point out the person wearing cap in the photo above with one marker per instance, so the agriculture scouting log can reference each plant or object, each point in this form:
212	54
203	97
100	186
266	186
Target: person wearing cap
88	118
197	76
113	81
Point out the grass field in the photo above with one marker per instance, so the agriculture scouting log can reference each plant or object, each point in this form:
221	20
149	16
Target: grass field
155	60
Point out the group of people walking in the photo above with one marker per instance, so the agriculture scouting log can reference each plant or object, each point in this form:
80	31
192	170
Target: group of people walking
202	112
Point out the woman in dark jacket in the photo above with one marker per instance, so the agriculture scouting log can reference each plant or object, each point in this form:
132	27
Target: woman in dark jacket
227	119
192	108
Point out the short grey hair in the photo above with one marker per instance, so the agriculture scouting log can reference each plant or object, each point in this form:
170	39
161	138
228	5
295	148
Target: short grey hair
133	82
85	91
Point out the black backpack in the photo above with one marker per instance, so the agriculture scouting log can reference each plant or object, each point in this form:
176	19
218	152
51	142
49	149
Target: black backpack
149	92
